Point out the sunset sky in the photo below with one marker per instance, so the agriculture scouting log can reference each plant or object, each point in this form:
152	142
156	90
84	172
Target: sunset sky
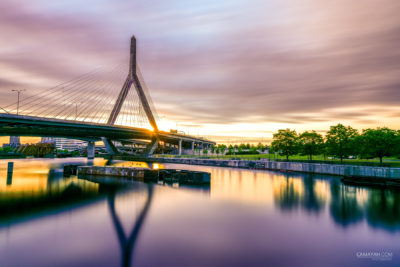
220	68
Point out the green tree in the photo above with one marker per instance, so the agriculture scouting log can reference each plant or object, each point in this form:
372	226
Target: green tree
6	149
397	146
311	143
340	141
253	149
260	146
285	142
378	142
205	151
222	148
38	150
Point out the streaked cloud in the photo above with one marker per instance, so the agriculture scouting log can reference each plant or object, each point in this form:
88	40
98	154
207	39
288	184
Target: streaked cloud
296	63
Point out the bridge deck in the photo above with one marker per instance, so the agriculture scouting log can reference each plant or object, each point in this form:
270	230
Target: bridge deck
18	125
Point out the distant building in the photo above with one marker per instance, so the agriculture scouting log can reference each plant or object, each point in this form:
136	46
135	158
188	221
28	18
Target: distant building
64	143
15	141
47	140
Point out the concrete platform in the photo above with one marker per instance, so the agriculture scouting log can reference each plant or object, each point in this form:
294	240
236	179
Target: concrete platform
147	174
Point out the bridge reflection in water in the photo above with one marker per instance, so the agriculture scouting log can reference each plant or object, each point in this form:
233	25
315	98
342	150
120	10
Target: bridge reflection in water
131	222
127	242
20	200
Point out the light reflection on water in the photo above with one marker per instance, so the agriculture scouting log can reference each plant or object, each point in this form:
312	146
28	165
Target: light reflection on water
245	218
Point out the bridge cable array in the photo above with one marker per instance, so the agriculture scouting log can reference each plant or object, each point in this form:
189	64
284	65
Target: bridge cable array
88	98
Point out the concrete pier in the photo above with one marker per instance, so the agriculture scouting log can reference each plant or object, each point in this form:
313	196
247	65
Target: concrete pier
180	147
10	169
148	175
90	150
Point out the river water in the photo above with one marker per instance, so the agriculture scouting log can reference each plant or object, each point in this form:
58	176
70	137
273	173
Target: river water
245	218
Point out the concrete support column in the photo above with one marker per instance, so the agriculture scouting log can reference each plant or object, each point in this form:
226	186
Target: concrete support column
90	150
180	147
193	147
110	148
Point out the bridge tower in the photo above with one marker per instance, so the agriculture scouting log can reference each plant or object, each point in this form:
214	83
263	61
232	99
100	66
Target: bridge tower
132	79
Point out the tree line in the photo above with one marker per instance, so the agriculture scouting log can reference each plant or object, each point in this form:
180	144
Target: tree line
37	150
241	149
340	141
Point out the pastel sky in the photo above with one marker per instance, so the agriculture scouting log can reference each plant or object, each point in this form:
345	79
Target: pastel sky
228	68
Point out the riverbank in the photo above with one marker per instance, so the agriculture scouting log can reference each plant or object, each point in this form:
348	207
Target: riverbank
393	162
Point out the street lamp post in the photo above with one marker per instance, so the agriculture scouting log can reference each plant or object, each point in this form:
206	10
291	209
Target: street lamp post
18	94
14	140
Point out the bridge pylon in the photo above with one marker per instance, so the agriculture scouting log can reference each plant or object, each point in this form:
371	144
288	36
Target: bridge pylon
132	79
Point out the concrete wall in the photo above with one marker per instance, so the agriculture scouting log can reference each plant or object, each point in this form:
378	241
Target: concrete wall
332	169
111	171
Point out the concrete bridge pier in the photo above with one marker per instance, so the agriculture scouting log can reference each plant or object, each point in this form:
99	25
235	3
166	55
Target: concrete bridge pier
90	150
180	147
111	149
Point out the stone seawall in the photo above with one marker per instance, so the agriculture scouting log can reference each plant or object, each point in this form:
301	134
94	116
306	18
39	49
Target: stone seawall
331	169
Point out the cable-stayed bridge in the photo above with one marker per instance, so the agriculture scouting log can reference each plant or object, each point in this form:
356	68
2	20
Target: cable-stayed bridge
93	107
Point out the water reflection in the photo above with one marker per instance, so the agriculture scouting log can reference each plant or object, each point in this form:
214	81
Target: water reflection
62	193
383	209
251	215
348	205
9	177
293	192
35	186
311	201
127	242
344	207
287	193
35	183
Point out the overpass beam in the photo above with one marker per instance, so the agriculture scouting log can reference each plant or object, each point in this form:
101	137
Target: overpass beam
90	150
